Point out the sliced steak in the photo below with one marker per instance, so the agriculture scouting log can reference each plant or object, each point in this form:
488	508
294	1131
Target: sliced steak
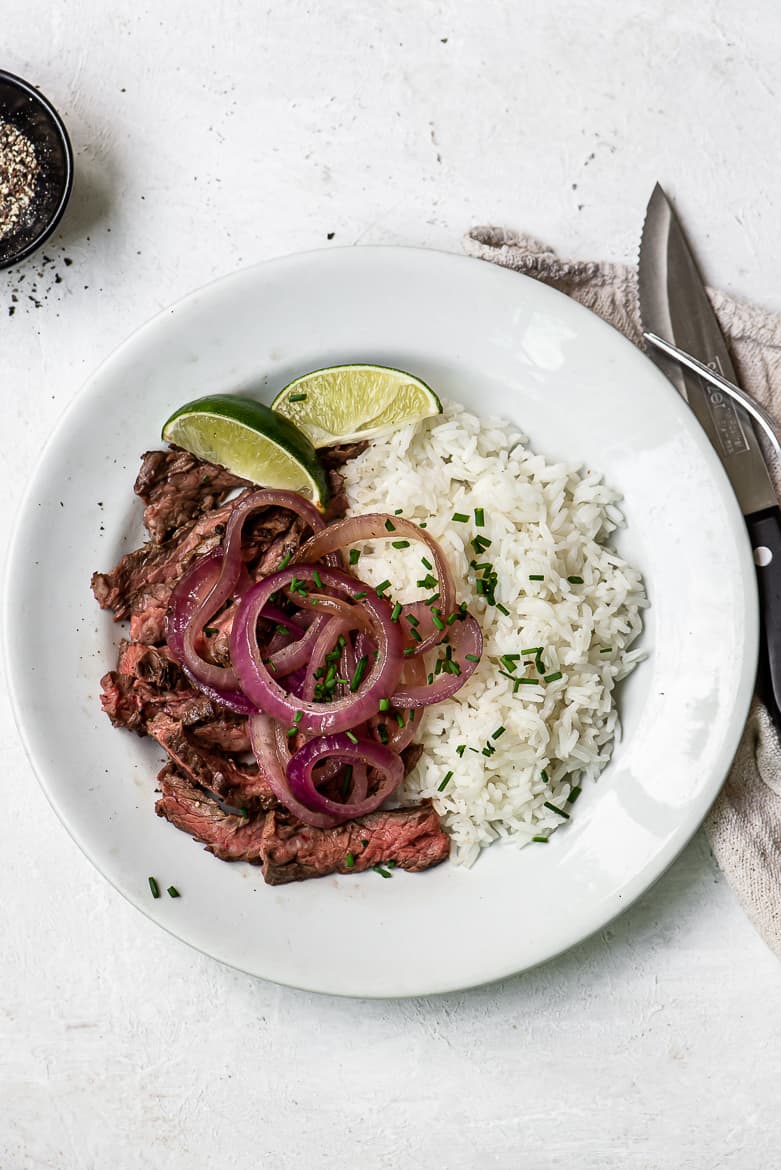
227	732
147	682
177	487
210	767
333	458
231	838
411	837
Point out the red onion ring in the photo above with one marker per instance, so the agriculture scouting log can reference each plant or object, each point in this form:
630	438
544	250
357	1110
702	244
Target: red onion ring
465	639
375	527
262	690
365	751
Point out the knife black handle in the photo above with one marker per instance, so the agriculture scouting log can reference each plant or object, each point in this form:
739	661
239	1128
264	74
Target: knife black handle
765	532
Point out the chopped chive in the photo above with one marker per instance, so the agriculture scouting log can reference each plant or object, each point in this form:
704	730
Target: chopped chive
279	628
606	650
291	731
349	861
461	749
422	524
536	577
413	621
427	582
480	587
296	398
381	871
316	579
355	556
299	715
383	585
479	517
555	808
398	511
431	600
480	544
399	544
396	611
472	657
382	731
532	650
542	840
210	630
553	677
352	737
460	518
426	564
346	781
360	596
529	682
400	718
384	704
283	564
364	842
488	750
539	665
408	651
453	617
414	633
173	892
154	887
499	731
508	662
445	782
544	776
436	619
390	526
575	580
243	812
574	794
503	609
360	671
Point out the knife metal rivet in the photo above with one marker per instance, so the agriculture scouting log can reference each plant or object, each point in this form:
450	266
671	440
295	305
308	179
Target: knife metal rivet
762	556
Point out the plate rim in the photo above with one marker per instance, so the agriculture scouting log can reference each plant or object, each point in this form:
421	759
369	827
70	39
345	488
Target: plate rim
640	882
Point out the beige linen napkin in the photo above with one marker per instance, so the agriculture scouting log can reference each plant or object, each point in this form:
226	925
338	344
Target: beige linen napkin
744	826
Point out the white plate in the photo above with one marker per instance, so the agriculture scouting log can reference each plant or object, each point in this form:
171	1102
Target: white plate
500	343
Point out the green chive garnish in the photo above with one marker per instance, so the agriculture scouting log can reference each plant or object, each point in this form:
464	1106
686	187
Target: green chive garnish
349	861
544	776
536	577
360	671
556	809
210	630
460	518
508	662
173	892
400	718
352	738
384	704
542	840
575	580
154	887
437	620
297	398
499	731
291	731
553	677
413	621
382	731
503	609
426	564
316	579
390	526
445	782
355	556
299	715
383	585
479	517
360	596
381	871
398	511
606	650
414	633
408	651
529	682
347	780
472	657
532	650
573	796
399	544
283	564
396	611
461	749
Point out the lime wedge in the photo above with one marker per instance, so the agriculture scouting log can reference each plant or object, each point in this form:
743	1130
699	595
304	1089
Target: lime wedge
346	403
250	440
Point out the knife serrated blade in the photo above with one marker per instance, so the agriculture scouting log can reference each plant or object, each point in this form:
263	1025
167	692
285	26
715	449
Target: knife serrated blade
674	304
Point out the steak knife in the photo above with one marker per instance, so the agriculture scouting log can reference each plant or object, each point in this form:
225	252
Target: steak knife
674	305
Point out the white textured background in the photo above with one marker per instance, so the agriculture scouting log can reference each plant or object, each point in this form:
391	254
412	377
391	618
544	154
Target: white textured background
212	135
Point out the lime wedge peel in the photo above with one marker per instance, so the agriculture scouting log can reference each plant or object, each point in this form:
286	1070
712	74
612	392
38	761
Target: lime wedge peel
344	404
250	440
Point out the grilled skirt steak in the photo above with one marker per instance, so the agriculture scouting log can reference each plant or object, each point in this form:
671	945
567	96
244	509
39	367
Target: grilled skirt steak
410	838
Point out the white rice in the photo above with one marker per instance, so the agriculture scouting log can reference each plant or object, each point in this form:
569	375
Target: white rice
542	518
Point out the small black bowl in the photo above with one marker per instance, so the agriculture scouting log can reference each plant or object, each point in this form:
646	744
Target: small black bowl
28	110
